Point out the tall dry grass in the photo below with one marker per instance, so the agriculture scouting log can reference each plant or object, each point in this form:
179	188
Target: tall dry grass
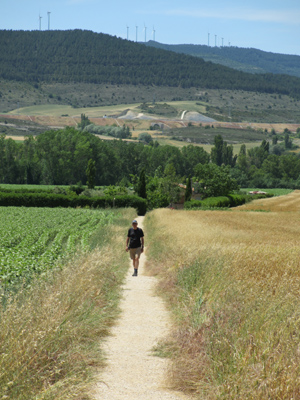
50	334
232	280
289	202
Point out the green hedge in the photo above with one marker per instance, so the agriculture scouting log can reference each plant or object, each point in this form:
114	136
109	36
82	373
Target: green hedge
59	200
24	190
232	200
209	202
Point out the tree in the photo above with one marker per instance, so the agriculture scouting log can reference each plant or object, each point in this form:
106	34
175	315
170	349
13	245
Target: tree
188	190
215	180
242	159
193	155
287	140
228	157
84	122
145	137
217	150
221	153
141	187
265	146
91	174
169	184
257	155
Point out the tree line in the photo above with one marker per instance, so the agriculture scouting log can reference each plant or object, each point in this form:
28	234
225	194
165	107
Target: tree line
61	157
84	56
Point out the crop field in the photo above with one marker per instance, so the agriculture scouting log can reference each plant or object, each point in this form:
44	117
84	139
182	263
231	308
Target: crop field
66	110
288	203
206	134
232	279
52	329
33	240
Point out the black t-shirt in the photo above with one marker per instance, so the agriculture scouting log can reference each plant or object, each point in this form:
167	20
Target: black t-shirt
135	236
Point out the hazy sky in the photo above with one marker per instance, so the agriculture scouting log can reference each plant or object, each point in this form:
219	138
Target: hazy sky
270	25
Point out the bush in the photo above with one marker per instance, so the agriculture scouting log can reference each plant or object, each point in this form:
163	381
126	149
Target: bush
145	137
209	202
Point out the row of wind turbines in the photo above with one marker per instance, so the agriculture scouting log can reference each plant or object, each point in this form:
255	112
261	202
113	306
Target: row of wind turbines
40	21
144	31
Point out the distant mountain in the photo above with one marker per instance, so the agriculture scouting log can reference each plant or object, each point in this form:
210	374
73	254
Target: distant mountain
85	56
242	59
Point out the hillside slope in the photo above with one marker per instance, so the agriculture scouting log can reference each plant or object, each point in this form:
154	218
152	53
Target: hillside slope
243	59
84	56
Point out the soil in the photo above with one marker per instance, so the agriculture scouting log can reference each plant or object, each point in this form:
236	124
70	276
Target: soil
132	371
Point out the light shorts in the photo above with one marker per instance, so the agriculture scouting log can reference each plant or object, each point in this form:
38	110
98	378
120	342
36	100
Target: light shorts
135	252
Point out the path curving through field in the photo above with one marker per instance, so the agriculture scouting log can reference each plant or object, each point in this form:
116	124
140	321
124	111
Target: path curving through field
132	372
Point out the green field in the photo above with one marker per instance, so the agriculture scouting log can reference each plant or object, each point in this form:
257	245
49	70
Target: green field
32	240
99	111
29	187
54	110
275	192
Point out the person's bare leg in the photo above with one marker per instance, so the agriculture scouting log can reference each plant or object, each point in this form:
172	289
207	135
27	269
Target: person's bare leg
135	262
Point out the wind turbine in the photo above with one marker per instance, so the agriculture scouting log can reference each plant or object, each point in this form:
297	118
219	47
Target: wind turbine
48	20
136	33
153	33
127	32
145	29
40	19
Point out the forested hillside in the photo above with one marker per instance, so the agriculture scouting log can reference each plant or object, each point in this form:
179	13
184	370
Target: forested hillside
242	59
84	56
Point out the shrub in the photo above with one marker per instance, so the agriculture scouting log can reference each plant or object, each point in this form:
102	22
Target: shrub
145	137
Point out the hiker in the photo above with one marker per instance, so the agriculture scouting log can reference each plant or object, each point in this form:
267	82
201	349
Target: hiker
135	238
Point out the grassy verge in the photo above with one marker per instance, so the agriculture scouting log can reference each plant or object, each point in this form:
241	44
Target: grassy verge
51	333
231	281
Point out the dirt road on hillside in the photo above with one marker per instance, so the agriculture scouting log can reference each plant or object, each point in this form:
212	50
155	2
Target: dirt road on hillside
132	371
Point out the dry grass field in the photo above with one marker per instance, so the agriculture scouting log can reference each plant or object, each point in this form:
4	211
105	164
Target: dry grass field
289	203
232	279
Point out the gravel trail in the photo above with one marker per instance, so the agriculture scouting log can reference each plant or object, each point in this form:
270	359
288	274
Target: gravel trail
132	371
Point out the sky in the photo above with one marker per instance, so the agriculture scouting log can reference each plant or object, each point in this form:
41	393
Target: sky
269	25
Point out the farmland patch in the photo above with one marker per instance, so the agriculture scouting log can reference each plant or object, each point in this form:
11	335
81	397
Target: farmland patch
33	240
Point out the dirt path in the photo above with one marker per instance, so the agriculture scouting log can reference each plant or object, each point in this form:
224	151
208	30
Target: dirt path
132	372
